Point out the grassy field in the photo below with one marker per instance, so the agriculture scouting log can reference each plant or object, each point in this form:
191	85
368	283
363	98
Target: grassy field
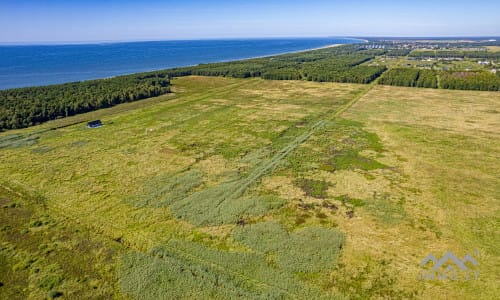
443	147
251	188
493	48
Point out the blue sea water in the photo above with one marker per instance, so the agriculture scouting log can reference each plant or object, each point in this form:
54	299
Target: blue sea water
34	65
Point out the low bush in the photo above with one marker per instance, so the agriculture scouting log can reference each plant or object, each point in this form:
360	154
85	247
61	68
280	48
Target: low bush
314	188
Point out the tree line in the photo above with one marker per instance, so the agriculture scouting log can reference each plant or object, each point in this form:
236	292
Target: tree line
471	80
410	77
481	81
30	106
455	54
337	64
25	107
398	52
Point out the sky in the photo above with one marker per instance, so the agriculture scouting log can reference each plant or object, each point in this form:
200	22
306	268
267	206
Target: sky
31	21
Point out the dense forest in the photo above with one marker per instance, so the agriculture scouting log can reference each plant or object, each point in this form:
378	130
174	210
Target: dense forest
455	54
342	69
398	52
30	106
482	81
338	64
355	74
410	77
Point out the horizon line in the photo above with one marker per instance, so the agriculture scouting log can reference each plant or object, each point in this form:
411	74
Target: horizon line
97	42
88	42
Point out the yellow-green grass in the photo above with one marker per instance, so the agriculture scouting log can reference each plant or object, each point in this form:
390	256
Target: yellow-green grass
388	174
493	48
45	255
389	61
223	128
444	146
438	190
88	173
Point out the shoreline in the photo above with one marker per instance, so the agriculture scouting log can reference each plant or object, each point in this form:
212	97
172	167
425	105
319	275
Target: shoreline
194	65
270	55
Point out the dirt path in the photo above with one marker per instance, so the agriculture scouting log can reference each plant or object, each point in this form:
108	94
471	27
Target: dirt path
268	166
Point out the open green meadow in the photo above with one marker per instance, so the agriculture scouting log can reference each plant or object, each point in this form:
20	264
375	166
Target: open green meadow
255	189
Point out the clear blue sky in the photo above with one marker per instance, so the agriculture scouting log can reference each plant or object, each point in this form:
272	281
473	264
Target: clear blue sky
91	20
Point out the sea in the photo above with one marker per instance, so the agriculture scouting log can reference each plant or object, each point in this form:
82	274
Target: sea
36	65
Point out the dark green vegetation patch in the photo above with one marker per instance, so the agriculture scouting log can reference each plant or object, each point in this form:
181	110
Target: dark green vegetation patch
189	199
313	188
337	64
188	270
38	251
350	202
482	81
410	77
311	249
467	80
337	146
25	107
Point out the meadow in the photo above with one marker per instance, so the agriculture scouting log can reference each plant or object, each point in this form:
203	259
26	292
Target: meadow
250	188
445	69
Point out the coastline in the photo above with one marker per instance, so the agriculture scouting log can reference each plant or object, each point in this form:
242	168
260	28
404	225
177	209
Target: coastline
282	53
72	79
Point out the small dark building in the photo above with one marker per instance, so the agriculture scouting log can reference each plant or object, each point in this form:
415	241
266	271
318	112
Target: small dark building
94	124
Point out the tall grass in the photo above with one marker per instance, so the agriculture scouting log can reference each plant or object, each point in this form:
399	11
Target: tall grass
187	270
216	205
167	189
19	140
220	204
311	249
262	237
